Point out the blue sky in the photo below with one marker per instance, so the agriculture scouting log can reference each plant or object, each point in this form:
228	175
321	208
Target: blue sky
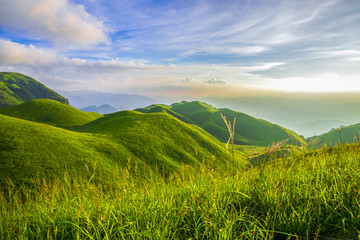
184	48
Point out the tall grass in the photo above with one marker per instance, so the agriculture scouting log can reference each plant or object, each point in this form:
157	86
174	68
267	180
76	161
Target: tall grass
231	129
312	195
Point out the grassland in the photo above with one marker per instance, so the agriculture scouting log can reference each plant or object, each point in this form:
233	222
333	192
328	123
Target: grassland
312	195
16	88
147	142
160	174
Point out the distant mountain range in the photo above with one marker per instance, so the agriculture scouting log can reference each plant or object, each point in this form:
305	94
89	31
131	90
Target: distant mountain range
102	109
16	88
318	127
83	99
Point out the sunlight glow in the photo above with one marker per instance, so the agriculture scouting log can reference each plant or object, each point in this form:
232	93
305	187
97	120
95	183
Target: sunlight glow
328	82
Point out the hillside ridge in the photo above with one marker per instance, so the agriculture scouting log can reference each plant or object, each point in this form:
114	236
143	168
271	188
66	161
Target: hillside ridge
50	112
248	130
17	88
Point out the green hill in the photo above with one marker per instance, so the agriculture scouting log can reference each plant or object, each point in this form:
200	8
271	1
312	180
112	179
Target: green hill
35	150
50	112
159	139
16	88
334	137
156	141
164	109
248	130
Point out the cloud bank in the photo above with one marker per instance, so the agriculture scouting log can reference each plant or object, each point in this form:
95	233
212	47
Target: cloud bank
64	23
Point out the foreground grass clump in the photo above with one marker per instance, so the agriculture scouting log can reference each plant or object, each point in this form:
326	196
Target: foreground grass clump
313	195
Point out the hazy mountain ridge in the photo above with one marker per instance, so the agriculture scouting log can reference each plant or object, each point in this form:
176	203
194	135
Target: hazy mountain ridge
337	136
82	99
102	109
321	126
298	112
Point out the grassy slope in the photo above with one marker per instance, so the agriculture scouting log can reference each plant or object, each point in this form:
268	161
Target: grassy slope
50	112
333	137
165	109
16	88
29	149
148	141
159	138
313	195
248	130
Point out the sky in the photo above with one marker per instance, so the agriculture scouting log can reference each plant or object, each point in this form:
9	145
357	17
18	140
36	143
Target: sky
180	48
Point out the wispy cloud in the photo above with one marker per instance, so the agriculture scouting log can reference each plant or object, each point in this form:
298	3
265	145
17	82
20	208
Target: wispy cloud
135	45
18	54
119	75
240	28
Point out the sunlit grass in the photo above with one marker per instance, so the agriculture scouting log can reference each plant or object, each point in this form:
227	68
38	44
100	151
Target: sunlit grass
307	195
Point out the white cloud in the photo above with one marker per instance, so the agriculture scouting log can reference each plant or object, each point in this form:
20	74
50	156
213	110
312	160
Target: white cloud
233	50
189	80
216	81
62	22
331	54
345	53
193	81
14	53
17	54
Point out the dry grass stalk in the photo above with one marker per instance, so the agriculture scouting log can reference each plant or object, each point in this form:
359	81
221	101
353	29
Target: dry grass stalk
276	147
231	130
357	138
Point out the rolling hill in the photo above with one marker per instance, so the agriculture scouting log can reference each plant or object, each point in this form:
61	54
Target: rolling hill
248	130
30	150
159	139
164	109
335	137
148	142
16	88
50	112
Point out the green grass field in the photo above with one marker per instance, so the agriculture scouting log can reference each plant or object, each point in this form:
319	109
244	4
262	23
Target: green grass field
148	142
164	172
312	195
130	175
